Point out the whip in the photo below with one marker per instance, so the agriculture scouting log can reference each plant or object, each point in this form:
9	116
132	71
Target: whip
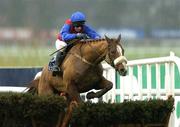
72	42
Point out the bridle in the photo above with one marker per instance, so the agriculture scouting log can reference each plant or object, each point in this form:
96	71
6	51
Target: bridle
111	62
105	55
114	62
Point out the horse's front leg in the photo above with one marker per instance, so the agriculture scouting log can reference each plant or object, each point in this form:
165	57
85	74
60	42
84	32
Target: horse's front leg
105	85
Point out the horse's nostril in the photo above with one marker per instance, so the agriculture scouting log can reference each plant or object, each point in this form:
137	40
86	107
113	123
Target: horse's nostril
122	70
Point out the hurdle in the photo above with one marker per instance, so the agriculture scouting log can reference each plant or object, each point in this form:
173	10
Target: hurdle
148	79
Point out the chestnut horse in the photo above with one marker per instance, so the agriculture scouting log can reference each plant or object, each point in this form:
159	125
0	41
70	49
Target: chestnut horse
82	71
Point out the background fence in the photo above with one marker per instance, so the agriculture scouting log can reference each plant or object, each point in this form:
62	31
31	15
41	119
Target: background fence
148	78
17	76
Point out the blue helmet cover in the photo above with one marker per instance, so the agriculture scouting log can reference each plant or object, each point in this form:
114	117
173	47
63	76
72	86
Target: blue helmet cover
78	17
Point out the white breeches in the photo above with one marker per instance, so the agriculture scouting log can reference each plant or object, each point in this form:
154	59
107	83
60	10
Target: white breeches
60	44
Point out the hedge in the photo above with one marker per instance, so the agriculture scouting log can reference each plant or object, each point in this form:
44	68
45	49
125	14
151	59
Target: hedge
20	110
23	110
131	112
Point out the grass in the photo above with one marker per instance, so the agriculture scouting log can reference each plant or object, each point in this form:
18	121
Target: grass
24	56
39	56
149	52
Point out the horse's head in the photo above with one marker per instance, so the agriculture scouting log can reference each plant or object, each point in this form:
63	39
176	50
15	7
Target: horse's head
115	56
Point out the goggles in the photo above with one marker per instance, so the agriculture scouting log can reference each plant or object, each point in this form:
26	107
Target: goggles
78	24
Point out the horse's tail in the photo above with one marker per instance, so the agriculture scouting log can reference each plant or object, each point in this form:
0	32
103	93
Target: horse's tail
33	86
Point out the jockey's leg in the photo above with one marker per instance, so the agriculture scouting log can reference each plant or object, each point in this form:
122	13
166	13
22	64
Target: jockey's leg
58	61
59	57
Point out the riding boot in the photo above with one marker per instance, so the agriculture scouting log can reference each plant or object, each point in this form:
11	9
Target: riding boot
58	61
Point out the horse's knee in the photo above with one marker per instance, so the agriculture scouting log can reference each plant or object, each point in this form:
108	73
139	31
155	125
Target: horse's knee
105	88
106	85
109	86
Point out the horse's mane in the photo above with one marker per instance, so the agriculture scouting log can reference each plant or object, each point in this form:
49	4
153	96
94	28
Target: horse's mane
92	40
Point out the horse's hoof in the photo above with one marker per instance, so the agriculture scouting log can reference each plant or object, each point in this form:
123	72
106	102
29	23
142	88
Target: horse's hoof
90	95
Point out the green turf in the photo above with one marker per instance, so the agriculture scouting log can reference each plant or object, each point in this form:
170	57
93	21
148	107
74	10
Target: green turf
39	55
24	56
148	52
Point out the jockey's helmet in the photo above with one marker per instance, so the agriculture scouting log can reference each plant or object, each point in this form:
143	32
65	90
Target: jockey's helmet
78	17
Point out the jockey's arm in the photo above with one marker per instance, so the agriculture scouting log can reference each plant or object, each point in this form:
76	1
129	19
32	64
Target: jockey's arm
66	35
91	33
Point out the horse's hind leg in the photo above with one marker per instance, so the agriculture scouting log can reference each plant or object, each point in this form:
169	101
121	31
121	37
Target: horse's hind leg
104	85
73	99
68	114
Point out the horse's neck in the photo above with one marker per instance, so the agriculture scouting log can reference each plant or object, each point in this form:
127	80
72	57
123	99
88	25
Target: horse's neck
100	46
94	51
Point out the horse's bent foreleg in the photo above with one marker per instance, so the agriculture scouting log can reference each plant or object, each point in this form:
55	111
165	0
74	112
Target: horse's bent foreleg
104	85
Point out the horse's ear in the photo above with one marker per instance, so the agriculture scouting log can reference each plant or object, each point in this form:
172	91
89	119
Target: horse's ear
107	39
119	38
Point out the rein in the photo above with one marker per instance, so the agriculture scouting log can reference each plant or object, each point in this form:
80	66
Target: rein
88	62
100	56
82	59
110	60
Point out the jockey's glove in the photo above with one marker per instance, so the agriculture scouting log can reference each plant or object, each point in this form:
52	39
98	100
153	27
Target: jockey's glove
81	36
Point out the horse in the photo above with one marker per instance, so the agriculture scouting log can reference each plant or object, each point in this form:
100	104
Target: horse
83	71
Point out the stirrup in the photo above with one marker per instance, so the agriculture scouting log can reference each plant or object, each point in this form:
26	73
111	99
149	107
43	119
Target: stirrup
55	68
56	72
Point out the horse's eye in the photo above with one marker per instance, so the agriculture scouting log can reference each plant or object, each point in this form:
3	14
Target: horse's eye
113	52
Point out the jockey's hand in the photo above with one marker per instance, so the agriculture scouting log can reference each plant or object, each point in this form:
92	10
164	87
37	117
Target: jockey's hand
81	36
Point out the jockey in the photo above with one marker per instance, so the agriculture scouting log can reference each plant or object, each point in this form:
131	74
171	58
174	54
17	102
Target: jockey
74	28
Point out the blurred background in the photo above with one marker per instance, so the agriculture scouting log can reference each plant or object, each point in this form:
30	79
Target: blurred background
28	28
